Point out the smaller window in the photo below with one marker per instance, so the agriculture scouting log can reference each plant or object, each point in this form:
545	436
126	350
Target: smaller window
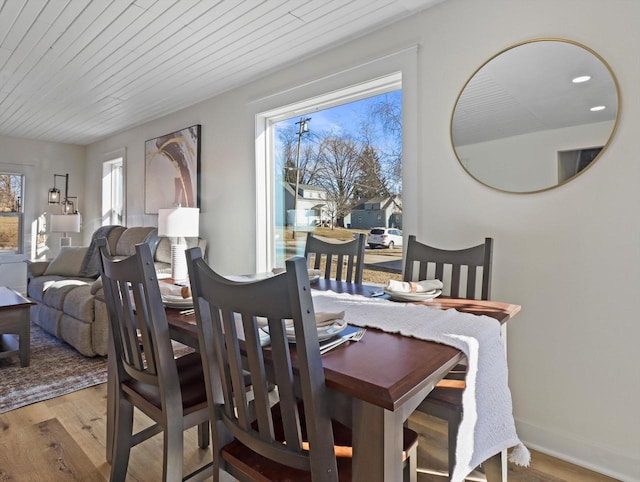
113	191
11	188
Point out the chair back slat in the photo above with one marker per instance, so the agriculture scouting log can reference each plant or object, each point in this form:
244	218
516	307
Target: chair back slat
127	325
449	266
324	255
286	385
257	370
471	280
455	281
245	309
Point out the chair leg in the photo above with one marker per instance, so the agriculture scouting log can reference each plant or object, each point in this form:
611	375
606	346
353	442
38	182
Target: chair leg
410	472
173	454
203	435
122	439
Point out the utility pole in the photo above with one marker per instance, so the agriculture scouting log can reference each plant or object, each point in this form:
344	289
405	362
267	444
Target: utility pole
303	128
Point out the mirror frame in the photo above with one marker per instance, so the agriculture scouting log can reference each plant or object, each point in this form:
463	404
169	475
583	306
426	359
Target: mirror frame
519	44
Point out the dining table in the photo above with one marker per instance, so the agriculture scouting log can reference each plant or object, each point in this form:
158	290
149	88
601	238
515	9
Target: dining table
376	383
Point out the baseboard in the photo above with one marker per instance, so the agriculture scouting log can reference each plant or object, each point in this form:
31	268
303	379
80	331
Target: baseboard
585	453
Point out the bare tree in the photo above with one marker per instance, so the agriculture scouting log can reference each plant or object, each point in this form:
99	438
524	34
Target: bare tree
387	112
9	193
339	159
308	163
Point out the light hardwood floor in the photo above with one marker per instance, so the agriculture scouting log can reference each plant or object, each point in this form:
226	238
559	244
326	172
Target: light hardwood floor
63	439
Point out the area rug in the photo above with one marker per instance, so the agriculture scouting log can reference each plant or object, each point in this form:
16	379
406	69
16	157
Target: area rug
55	369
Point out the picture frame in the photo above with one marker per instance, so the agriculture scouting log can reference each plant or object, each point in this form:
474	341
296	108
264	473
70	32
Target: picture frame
172	170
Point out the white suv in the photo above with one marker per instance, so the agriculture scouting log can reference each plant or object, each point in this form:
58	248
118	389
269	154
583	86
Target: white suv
389	237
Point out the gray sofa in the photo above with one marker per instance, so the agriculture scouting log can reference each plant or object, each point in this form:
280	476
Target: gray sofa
65	288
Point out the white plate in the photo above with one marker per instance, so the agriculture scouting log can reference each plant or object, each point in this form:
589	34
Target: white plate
177	301
324	332
400	296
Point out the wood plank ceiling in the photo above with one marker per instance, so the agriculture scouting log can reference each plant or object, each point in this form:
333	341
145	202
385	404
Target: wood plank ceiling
76	71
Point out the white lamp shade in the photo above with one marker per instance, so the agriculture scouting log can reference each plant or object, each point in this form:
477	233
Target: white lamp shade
65	223
179	222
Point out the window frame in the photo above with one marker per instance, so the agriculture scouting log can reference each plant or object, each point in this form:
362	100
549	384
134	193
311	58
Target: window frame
397	70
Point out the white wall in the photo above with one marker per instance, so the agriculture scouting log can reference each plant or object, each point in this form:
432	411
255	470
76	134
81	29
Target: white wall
570	256
38	161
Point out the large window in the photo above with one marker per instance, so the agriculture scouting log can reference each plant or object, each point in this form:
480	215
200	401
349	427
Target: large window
11	218
330	160
334	165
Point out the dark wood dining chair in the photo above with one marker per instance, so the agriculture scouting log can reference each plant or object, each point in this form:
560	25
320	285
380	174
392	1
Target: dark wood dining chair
324	255
451	267
170	391
293	438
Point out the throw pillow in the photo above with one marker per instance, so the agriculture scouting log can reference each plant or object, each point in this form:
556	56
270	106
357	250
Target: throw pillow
68	261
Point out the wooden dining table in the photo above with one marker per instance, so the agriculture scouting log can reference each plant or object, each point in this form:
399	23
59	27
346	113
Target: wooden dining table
376	383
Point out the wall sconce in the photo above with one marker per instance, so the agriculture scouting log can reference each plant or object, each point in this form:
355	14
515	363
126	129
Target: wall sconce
68	206
54	192
69	220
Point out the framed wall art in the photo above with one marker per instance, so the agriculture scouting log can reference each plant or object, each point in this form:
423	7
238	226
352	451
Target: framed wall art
172	170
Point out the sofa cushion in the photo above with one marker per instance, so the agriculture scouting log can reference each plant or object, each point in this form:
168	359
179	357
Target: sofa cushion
68	261
130	237
38	285
56	292
79	303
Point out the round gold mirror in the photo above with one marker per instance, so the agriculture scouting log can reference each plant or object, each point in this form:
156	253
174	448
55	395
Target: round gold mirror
535	116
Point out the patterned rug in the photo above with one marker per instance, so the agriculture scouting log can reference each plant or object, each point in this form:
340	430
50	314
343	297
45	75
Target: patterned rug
56	369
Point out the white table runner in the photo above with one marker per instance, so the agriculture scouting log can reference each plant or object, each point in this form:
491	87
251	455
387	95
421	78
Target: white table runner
487	425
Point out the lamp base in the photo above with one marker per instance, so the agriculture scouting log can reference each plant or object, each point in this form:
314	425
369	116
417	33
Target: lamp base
65	241
179	269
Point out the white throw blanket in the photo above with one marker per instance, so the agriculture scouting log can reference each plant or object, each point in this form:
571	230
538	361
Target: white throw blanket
487	425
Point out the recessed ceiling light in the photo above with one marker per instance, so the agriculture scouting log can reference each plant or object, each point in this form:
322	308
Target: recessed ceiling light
582	78
597	108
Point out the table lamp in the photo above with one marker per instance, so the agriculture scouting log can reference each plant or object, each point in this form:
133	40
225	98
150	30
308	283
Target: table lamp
65	223
177	224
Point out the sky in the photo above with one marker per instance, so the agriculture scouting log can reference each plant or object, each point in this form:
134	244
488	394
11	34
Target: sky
342	118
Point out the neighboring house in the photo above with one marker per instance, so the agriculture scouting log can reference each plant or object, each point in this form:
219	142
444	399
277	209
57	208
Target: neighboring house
380	211
311	208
